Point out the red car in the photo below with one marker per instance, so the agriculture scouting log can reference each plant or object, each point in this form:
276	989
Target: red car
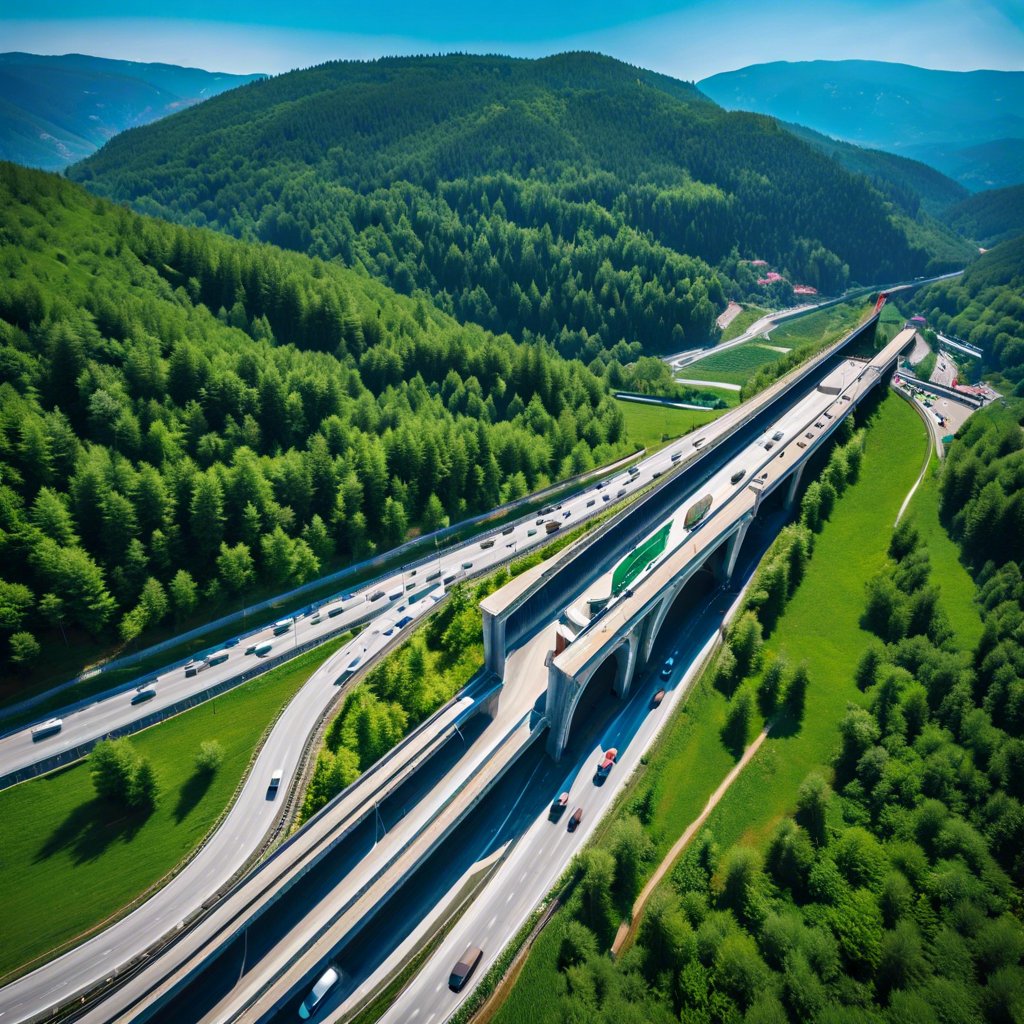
606	765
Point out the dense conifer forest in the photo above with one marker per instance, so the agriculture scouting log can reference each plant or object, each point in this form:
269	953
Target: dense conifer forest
574	198
985	306
184	416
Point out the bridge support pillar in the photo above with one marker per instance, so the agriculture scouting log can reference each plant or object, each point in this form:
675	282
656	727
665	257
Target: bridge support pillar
626	665
732	551
794	486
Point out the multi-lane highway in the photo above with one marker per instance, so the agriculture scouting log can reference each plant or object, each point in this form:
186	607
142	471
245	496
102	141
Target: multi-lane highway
244	828
243	831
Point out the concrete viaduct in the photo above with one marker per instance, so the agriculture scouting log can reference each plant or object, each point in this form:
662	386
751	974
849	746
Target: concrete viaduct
628	627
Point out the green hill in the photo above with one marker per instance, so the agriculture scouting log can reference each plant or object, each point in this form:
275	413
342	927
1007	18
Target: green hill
183	415
55	110
989	217
985	306
574	198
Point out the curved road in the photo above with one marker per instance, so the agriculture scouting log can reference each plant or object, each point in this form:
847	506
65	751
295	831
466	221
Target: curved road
242	831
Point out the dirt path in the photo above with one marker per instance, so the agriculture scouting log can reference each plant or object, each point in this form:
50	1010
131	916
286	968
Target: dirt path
628	928
732	311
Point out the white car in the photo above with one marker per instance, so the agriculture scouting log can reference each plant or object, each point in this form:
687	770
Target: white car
327	981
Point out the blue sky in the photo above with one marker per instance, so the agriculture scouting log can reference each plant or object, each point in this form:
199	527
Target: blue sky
689	39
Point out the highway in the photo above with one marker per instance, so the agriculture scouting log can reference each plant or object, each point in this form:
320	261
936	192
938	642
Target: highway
543	853
244	828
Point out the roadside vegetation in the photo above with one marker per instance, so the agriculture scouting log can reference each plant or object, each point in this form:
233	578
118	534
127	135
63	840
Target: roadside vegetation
724	932
734	365
415	679
654	426
80	844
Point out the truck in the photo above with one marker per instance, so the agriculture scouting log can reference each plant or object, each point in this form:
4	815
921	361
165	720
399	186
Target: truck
282	626
217	657
697	511
551	525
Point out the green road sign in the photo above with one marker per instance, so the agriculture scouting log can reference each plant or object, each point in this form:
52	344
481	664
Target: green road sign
637	560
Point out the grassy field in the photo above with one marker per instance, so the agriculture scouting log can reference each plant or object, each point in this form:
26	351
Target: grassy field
749	315
955	583
734	365
690	759
58	839
654	426
821	328
821	626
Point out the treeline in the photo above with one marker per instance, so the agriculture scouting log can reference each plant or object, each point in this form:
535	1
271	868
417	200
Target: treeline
985	306
892	893
574	198
183	415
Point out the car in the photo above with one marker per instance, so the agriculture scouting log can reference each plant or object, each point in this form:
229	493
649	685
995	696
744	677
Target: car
327	981
778	435
769	445
575	819
489	543
600	485
606	497
275	780
316	619
335	609
467	565
48	728
539	522
592	503
403	622
559	806
801	444
657	699
347	597
622	491
531	533
231	643
376	595
464	968
809	435
507	531
192	670
547	509
676	456
606	765
282	626
656	474
738	476
567	513
699	442
142	696
666	669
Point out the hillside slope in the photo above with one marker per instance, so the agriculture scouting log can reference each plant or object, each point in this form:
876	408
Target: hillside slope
929	115
574	198
155	454
55	110
989	217
985	306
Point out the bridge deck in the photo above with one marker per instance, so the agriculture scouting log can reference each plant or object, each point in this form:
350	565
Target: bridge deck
845	386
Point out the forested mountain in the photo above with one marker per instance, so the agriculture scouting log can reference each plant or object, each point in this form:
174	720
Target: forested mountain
573	198
910	184
940	117
55	110
985	306
183	414
989	217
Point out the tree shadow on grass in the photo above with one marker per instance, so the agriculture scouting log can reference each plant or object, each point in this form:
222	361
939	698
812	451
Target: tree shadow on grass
194	789
90	829
787	722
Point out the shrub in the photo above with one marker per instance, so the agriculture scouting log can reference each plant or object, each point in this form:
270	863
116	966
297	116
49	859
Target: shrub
209	757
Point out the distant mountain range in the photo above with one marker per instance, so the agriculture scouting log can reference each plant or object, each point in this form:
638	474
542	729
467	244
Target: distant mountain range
56	110
574	198
967	124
